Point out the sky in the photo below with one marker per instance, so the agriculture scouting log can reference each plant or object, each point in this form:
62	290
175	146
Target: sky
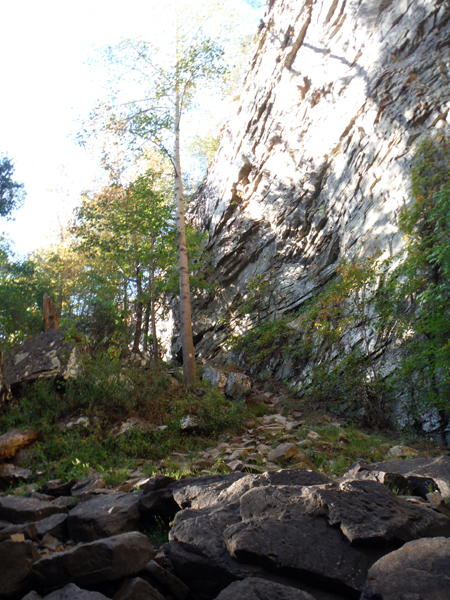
51	79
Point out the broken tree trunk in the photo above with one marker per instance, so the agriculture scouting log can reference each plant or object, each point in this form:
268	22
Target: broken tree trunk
51	320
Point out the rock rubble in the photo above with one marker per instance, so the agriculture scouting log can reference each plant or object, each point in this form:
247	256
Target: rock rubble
288	533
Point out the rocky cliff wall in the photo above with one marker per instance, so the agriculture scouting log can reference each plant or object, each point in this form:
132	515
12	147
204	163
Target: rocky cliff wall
318	156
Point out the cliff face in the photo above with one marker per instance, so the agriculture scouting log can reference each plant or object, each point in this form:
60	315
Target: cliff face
317	158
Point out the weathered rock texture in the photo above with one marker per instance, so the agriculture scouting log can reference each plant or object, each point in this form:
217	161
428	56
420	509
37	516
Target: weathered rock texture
45	355
317	158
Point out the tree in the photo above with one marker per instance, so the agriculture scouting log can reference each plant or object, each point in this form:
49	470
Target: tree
11	196
172	79
12	193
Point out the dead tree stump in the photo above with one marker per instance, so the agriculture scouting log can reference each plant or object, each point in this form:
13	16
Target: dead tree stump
51	320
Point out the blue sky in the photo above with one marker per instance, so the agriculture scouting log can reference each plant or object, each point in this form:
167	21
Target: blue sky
50	80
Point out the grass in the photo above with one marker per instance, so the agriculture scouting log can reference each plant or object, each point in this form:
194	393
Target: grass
108	392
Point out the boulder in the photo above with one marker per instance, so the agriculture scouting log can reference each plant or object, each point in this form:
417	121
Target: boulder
44	355
216	377
55	525
87	485
16	509
197	548
137	589
32	596
10	475
166	580
103	516
194	491
198	551
283	452
437	469
238	384
14	440
397	452
419	570
306	546
97	562
254	588
57	487
28	530
189	423
73	592
16	563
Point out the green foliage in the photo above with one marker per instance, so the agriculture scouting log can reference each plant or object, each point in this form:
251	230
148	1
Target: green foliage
421	283
263	341
204	148
408	304
258	294
108	391
12	193
21	292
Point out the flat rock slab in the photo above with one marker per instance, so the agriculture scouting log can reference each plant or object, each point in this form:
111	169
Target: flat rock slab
254	588
55	525
16	509
103	516
73	592
88	564
419	570
16	563
368	510
14	440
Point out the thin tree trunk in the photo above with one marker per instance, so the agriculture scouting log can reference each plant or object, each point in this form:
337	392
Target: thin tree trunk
187	342
152	308
146	326
139	310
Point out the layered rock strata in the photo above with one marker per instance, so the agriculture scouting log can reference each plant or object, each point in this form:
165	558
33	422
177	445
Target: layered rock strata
317	159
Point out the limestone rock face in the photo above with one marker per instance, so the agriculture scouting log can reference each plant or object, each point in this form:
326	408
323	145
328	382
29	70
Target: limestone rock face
317	158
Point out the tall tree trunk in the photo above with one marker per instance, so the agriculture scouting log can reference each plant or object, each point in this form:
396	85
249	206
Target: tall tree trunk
146	326
139	310
187	342
152	305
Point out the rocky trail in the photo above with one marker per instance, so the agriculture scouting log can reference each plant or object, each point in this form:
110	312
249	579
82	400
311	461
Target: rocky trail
267	527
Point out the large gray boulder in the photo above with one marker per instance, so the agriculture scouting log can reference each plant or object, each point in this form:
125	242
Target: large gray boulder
100	561
45	355
294	522
419	570
198	551
103	516
16	563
